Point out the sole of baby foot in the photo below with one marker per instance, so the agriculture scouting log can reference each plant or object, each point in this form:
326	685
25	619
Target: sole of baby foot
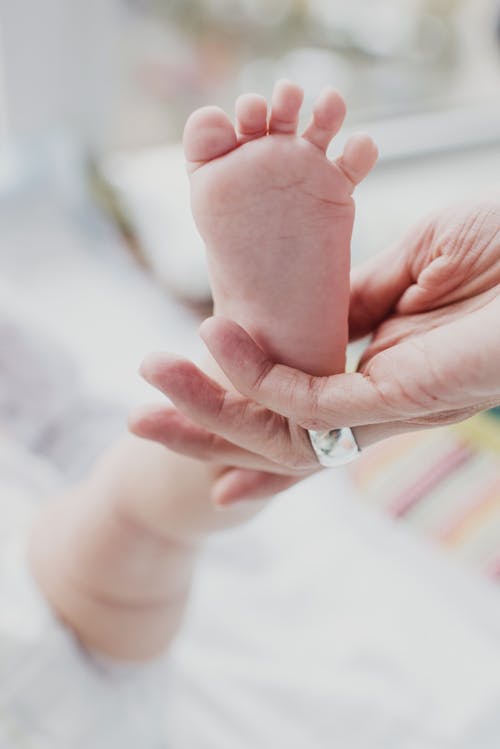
276	215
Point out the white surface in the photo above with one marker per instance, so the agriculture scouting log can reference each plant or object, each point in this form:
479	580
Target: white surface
324	625
399	193
429	134
153	191
74	276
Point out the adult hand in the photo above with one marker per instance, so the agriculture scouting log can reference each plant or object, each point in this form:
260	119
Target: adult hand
432	305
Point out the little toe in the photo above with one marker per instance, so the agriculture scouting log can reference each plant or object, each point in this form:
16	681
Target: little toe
359	158
208	134
328	116
286	103
251	117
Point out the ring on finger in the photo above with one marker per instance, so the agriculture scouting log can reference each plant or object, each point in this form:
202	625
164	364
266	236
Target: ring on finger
334	447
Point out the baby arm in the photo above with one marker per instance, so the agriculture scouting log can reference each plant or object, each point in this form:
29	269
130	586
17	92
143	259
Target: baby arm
114	556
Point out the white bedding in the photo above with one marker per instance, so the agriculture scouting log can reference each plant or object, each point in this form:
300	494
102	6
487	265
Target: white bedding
322	625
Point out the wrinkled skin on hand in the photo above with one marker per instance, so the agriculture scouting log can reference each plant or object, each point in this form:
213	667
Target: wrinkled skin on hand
431	304
438	293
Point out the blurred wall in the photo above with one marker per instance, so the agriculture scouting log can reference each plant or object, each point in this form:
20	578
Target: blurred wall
60	64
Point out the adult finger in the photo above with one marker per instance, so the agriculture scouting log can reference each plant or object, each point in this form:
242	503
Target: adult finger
169	427
173	429
377	285
451	367
250	474
229	415
312	402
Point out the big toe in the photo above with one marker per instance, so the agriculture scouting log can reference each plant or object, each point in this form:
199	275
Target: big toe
208	134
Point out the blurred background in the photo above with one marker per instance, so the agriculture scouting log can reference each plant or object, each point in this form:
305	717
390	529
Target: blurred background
96	93
127	73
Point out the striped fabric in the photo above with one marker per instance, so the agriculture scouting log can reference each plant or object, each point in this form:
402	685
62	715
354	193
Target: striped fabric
445	483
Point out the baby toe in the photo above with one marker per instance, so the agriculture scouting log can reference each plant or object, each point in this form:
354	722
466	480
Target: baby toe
286	103
359	158
328	116
208	134
251	117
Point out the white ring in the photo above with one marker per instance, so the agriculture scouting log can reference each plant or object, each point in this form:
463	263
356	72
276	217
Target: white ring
334	447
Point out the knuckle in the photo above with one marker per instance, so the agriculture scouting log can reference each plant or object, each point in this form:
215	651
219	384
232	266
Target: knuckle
301	458
263	372
320	414
212	446
221	404
289	386
284	447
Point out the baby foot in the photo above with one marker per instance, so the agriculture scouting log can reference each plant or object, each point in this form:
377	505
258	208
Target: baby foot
276	217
